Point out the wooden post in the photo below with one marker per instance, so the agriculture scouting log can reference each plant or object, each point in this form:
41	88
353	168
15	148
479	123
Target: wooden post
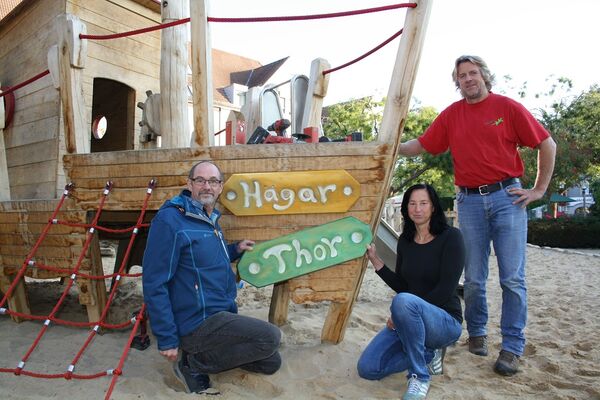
401	85
92	293
394	117
201	75
317	90
18	301
4	185
280	300
174	125
404	73
72	52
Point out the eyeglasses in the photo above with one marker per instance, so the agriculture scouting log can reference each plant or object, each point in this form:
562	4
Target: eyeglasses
200	181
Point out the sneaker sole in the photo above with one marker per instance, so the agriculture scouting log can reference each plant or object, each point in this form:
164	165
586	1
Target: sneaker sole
504	372
180	377
481	353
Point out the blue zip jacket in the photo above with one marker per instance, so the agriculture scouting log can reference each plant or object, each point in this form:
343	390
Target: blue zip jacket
187	275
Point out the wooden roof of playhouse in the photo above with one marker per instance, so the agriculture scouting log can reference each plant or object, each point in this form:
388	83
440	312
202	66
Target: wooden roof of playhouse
330	190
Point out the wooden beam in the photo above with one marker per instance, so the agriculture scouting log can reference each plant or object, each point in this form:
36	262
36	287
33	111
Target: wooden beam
203	134
280	299
394	117
174	125
4	183
72	52
18	300
317	89
404	73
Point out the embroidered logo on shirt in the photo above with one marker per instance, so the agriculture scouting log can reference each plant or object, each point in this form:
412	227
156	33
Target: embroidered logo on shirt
496	122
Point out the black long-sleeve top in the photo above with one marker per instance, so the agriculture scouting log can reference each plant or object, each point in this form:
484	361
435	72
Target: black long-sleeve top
430	271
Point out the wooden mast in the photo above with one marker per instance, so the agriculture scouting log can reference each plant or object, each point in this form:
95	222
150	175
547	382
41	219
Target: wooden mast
174	125
4	185
201	74
394	117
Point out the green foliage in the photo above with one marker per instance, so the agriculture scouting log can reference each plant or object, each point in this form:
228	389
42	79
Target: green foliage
565	232
575	127
359	115
435	170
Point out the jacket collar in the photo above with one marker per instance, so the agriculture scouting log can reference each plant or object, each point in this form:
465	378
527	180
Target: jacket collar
194	209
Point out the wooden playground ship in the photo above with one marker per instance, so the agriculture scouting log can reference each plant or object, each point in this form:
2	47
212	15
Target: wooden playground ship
48	145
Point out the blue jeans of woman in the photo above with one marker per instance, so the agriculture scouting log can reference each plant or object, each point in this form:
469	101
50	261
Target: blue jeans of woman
420	328
493	218
226	340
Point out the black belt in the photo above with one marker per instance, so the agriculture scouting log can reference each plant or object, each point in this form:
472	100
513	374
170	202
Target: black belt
491	188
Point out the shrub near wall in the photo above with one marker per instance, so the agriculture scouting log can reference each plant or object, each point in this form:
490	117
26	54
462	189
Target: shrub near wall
583	233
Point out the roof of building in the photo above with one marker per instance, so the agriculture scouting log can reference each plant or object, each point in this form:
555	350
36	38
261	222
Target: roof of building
229	68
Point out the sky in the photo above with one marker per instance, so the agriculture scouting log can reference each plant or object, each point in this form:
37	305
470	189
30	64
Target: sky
529	40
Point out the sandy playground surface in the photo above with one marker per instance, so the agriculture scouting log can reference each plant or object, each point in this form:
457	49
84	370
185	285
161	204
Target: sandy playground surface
561	361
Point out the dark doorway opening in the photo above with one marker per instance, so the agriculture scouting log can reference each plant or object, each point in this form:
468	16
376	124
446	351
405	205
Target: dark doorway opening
116	102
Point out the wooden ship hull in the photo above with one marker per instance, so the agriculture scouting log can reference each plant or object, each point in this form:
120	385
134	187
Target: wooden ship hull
371	164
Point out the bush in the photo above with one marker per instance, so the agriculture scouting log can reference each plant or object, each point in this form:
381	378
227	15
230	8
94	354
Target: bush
447	202
565	232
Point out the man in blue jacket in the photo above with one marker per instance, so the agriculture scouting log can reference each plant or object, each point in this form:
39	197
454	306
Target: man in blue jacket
190	290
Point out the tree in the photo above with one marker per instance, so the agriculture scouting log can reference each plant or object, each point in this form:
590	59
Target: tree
358	115
574	124
435	170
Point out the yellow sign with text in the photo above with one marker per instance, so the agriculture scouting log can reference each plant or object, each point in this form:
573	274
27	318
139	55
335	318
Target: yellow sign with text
306	192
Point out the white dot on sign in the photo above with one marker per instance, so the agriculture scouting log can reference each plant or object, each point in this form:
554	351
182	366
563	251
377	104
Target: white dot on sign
347	190
231	195
357	237
254	268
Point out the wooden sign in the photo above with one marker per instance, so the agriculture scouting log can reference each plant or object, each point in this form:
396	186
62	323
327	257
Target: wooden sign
305	251
290	192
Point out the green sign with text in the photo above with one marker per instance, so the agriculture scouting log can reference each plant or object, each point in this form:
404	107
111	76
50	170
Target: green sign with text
305	251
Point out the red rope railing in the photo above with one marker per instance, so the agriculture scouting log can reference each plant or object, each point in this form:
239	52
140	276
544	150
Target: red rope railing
368	53
24	83
238	20
314	16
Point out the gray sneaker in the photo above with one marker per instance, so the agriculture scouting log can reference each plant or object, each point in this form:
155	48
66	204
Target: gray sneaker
507	363
436	366
193	381
416	389
478	345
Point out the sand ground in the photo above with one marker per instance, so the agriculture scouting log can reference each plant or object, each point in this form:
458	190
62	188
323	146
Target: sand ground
561	361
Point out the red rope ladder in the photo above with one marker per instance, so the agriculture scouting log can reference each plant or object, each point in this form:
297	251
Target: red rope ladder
29	262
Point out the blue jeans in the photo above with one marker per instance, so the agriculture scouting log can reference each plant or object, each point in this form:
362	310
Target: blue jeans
226	340
494	218
420	328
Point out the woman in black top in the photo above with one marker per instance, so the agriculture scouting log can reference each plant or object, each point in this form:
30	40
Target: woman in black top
426	314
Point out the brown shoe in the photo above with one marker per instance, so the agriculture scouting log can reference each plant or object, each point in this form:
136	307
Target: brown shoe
507	363
478	345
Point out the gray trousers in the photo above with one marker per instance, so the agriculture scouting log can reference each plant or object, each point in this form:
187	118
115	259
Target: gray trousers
225	341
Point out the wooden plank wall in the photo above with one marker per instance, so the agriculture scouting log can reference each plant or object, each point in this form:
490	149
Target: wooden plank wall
21	224
31	139
133	61
131	170
35	140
